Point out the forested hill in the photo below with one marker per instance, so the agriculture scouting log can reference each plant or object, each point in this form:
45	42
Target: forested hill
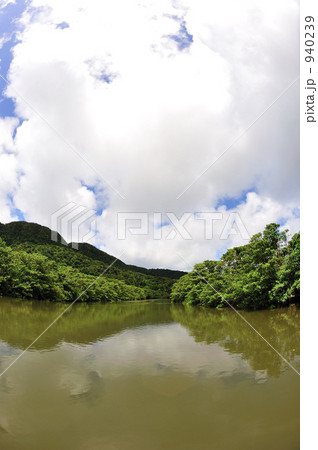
34	266
262	274
15	233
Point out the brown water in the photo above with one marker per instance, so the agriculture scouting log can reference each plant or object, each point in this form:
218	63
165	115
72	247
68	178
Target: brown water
147	375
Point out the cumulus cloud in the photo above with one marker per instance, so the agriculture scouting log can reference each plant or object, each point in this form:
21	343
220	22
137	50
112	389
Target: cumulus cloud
4	3
128	102
8	169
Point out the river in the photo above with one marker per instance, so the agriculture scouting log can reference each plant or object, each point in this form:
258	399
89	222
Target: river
147	376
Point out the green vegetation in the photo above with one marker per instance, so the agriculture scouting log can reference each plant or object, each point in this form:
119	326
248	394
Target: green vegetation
262	274
33	266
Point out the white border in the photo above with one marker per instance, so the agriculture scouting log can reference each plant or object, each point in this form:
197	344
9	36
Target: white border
309	247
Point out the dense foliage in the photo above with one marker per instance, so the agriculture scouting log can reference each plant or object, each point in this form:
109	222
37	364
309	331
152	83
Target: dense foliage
34	266
262	274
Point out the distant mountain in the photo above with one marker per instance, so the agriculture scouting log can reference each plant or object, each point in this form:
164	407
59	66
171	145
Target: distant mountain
18	232
29	243
15	233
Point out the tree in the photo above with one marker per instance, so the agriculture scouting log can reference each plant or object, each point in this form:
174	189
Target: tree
261	274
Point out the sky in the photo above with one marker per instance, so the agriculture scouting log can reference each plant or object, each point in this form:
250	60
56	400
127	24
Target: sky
166	108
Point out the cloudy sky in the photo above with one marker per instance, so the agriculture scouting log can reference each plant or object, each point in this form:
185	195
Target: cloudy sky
151	106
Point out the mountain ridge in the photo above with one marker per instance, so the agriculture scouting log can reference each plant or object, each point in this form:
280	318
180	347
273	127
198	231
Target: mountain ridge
41	234
32	265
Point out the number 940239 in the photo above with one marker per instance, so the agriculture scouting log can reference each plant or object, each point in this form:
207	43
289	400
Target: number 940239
309	38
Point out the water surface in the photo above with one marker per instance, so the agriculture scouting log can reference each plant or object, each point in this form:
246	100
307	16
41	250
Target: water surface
147	375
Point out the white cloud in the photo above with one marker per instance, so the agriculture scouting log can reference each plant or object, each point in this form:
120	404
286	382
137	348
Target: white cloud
4	3
8	168
165	116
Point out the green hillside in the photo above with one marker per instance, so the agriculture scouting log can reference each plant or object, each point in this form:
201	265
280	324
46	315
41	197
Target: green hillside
34	266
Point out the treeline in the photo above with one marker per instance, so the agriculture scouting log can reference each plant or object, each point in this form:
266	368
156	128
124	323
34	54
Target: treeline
32	275
33	266
262	274
63	256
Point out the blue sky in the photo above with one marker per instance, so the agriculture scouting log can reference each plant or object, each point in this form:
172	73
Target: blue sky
183	38
8	26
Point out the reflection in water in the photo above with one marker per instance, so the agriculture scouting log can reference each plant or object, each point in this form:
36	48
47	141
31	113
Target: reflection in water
147	375
22	321
279	327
